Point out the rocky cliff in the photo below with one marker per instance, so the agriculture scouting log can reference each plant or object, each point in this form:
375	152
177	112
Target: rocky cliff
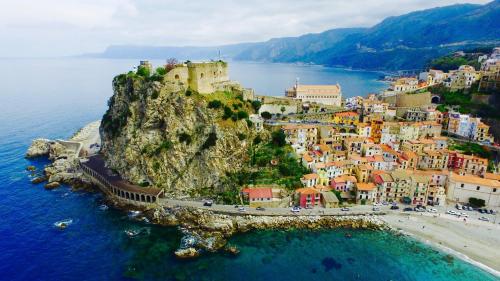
160	133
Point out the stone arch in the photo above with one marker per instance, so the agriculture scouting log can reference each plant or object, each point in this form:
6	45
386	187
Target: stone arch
435	99
176	76
353	131
127	195
202	75
143	199
148	199
343	130
137	197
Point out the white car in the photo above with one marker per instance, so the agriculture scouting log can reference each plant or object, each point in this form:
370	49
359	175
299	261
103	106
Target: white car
484	219
432	210
451	212
295	209
242	209
463	215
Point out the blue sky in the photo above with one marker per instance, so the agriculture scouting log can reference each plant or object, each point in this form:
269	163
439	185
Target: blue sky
32	28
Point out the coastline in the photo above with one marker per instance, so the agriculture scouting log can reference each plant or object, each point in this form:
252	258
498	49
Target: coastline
452	236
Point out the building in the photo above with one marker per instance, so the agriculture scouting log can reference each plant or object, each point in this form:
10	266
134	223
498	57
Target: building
345	184
301	135
308	197
323	94
469	127
346	118
462	78
403	85
310	180
365	192
263	196
329	199
201	77
257	121
463	187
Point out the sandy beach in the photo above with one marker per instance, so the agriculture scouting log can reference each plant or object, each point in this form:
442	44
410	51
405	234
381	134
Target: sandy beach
475	241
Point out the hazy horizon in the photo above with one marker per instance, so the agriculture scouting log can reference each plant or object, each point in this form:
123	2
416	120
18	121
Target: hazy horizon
49	28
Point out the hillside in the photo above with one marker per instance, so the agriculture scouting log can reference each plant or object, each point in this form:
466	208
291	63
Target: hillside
403	42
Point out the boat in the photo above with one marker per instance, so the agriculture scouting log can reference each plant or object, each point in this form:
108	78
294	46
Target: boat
63	224
103	207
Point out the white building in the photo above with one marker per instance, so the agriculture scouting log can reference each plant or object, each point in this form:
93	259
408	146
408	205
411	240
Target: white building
463	187
324	94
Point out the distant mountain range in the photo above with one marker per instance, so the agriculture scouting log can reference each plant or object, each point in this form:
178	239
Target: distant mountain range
403	42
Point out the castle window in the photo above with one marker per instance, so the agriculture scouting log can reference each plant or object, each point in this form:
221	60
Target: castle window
201	75
215	73
176	76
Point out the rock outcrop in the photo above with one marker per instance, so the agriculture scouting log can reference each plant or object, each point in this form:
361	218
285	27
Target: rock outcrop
39	147
161	134
209	231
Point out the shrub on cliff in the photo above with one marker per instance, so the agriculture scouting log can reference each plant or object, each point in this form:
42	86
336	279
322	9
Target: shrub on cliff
210	141
143	71
256	105
215	104
278	138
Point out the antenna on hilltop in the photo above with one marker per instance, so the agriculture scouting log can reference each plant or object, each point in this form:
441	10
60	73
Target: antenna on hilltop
297	79
219	55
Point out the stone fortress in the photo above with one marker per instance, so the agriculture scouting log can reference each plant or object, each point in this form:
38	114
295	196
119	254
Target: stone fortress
203	77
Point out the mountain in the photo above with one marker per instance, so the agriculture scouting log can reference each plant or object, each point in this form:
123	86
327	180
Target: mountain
403	42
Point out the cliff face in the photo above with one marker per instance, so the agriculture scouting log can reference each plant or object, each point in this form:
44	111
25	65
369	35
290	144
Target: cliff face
161	134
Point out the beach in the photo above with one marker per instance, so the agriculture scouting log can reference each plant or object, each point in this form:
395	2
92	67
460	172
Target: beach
474	241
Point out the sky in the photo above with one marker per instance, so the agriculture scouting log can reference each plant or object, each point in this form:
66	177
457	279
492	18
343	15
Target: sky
45	28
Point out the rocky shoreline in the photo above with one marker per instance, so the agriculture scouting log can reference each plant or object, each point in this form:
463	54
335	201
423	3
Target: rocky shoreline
205	230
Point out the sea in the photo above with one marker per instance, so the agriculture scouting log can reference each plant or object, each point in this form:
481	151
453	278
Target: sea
53	98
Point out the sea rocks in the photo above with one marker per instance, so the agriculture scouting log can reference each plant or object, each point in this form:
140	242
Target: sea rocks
39	179
52	185
232	250
210	231
39	147
187	253
31	168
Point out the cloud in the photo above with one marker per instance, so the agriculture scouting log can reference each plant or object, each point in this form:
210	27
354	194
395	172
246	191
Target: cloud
75	26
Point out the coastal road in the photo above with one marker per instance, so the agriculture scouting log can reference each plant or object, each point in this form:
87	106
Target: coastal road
232	209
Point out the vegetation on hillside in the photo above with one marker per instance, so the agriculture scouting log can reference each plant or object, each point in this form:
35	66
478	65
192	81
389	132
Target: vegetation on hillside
470	148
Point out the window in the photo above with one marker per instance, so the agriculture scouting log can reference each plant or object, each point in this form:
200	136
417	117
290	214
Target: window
477	188
494	190
462	185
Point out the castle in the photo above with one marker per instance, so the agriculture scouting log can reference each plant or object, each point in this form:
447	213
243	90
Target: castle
202	77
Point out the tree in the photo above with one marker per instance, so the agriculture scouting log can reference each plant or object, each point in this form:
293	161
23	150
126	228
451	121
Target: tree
171	63
214	104
278	138
476	202
282	109
143	71
161	71
256	105
266	115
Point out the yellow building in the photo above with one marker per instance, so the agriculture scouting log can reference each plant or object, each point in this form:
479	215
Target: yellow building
346	118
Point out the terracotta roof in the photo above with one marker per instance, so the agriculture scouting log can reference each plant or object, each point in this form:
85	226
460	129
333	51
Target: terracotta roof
310	176
259	192
346	113
306	190
475	180
345	178
365	186
492	176
307	158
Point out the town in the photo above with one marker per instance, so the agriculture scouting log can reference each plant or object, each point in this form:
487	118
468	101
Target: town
391	148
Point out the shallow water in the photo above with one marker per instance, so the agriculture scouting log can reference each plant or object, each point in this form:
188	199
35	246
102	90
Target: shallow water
54	98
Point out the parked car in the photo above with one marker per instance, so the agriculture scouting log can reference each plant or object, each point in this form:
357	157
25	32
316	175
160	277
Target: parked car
345	209
481	211
451	212
470	208
462	214
432	210
376	209
394	207
295	209
492	211
458	206
407	209
208	203
242	209
484	219
260	208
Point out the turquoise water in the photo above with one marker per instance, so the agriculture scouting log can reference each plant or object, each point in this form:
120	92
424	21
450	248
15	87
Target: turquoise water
54	98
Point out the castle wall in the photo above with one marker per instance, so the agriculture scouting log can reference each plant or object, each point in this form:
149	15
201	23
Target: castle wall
413	100
178	74
203	75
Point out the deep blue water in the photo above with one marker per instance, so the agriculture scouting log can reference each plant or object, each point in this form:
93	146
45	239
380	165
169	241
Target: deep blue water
54	98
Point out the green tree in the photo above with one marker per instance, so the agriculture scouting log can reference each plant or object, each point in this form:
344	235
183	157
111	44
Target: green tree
143	71
278	138
256	105
266	115
214	104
